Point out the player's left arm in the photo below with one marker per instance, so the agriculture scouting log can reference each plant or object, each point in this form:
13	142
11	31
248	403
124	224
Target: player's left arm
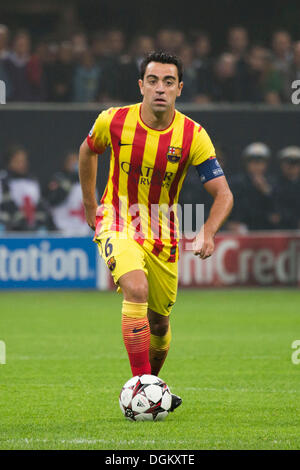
223	202
203	157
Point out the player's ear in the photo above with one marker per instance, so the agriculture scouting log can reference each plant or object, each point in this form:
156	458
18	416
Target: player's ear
141	85
180	88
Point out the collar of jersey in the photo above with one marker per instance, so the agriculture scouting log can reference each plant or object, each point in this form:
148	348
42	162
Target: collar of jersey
150	129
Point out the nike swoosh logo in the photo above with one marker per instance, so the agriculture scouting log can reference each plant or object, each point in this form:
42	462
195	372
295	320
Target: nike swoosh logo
136	330
121	144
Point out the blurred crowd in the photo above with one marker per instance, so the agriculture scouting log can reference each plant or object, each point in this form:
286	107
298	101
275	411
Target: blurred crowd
104	66
26	205
263	201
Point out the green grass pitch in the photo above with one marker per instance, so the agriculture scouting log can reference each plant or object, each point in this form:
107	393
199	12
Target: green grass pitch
230	361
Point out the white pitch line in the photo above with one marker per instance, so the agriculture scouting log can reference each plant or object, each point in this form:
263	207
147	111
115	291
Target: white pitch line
237	390
201	443
116	355
77	441
191	389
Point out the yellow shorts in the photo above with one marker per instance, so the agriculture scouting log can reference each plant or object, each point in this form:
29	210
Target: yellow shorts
124	255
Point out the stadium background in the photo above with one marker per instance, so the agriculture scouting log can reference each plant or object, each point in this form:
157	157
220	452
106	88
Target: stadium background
256	392
213	17
49	126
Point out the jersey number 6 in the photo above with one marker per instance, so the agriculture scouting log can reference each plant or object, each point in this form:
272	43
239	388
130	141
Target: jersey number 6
108	248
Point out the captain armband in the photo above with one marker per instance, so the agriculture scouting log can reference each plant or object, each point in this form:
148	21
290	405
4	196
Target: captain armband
209	170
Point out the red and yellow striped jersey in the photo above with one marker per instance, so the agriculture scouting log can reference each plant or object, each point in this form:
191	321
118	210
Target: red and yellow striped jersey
147	170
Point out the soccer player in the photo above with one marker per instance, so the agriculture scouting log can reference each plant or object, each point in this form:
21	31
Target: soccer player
152	146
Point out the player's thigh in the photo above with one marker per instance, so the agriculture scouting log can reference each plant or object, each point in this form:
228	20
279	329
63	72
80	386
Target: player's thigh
121	256
162	284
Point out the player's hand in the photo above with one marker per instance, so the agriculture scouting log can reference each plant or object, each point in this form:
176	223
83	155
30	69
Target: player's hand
204	244
90	214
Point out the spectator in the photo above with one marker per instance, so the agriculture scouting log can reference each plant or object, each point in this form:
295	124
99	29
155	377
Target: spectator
281	51
190	89
65	198
115	41
142	45
253	192
238	42
202	48
22	207
51	53
260	82
203	66
86	81
170	39
17	68
238	46
164	39
36	74
287	189
79	45
128	90
178	41
225	85
99	48
60	74
4	38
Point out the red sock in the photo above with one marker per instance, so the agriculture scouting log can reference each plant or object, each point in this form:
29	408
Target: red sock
136	336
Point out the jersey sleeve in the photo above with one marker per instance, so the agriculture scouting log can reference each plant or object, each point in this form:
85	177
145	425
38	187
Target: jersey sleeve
202	147
98	138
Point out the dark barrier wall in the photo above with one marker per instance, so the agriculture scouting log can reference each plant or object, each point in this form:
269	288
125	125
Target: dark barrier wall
48	133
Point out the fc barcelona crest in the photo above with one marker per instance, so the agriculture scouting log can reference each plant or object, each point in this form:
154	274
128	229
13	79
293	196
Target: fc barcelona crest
111	263
174	154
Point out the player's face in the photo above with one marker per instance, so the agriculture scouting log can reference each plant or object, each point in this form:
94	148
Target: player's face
160	86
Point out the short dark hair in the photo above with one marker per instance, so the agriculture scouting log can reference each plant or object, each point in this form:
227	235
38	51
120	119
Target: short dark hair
162	58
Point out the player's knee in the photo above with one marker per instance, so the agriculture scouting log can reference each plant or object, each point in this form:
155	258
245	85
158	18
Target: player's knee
136	293
134	286
159	326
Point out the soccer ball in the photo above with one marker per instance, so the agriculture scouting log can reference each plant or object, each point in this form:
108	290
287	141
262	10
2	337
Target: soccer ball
145	398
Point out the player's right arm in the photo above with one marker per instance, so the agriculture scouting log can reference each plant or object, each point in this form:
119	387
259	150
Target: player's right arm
88	163
96	142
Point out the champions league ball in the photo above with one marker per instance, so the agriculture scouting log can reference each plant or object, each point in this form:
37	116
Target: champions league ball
145	398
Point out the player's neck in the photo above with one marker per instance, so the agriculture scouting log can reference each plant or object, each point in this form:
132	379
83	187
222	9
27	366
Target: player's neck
158	121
